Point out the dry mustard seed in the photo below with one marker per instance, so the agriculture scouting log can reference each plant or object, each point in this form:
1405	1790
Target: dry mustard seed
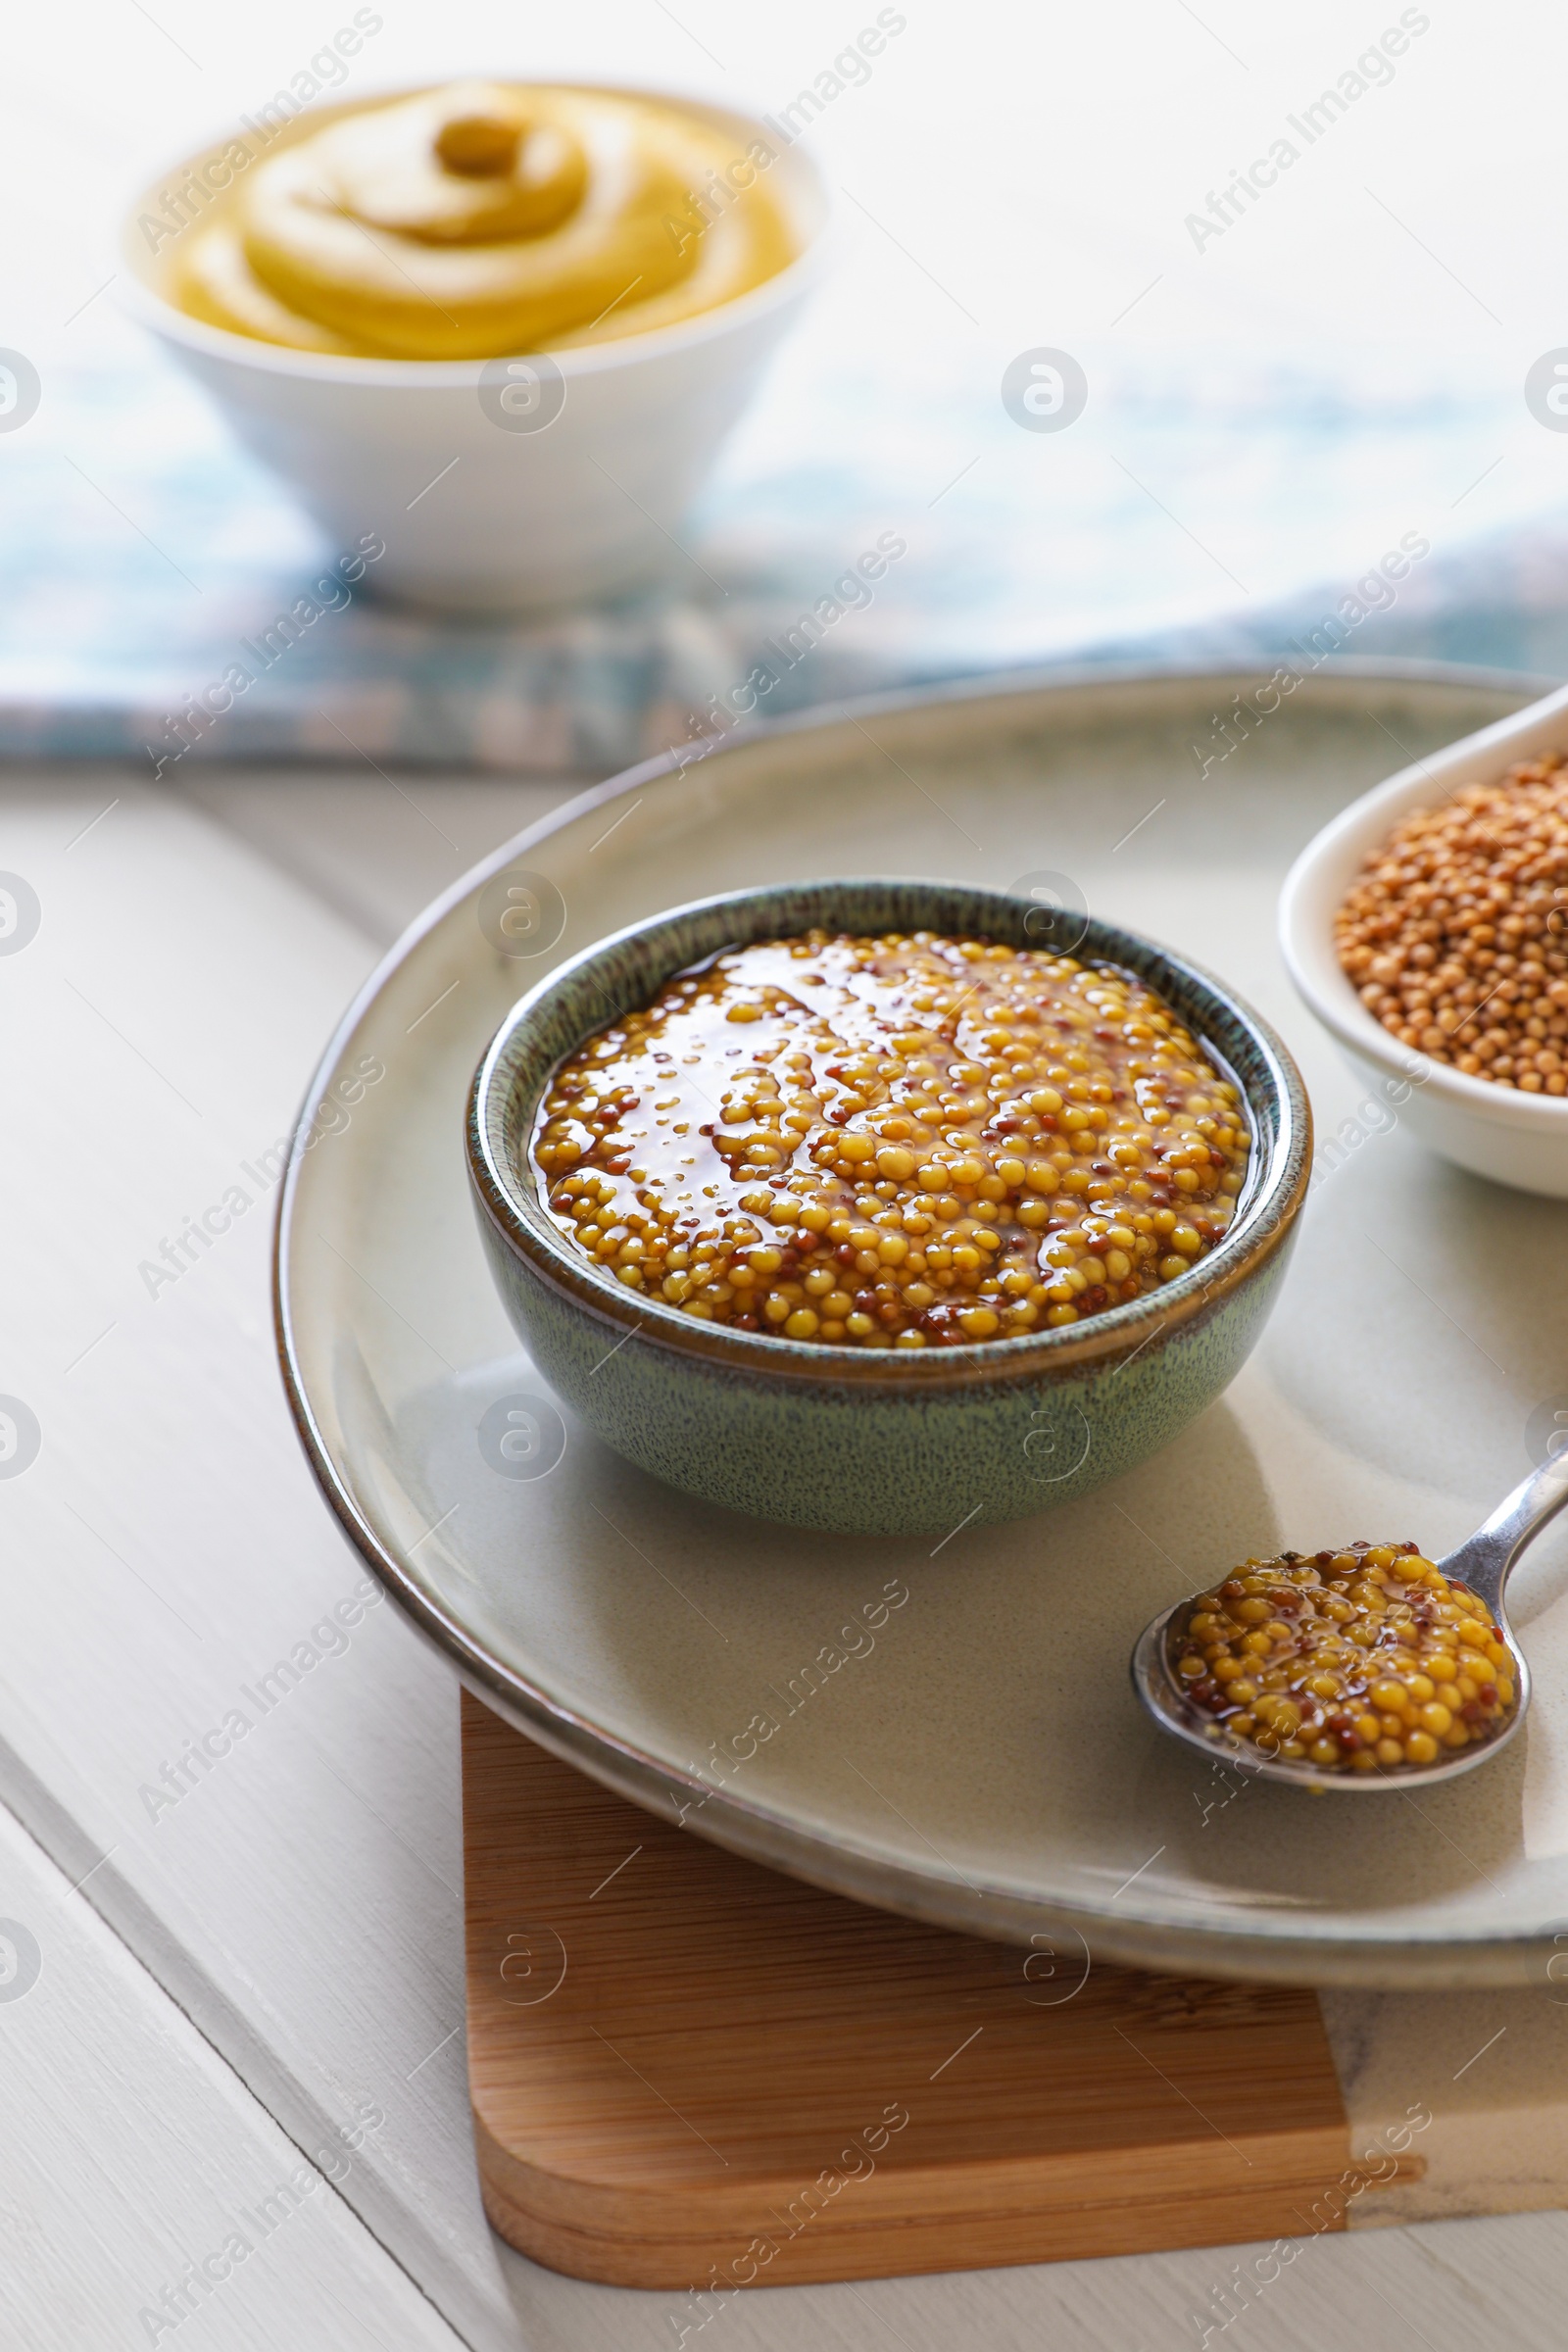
909	1140
1456	933
1358	1660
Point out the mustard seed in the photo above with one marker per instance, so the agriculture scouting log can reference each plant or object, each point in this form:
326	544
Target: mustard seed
1456	934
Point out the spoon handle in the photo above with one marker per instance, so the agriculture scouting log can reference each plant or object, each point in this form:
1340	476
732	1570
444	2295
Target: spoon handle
1483	1561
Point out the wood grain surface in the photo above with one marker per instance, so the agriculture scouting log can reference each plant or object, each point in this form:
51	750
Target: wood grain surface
682	2064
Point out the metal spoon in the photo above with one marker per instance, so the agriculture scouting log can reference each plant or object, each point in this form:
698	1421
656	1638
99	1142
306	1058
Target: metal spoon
1484	1563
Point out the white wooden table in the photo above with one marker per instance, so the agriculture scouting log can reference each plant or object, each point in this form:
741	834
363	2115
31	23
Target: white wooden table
232	2098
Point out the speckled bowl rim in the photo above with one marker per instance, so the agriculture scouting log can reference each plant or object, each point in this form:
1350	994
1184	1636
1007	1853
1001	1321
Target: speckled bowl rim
1269	1209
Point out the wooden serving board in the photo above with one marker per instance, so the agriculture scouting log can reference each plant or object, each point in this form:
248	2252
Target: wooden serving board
689	2072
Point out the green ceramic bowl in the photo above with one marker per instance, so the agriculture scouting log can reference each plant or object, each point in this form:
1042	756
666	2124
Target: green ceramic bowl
882	1442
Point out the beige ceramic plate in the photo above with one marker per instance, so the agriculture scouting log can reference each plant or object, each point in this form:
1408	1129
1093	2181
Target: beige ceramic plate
971	1753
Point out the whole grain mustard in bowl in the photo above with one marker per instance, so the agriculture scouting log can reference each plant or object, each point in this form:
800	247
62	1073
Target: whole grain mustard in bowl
845	1205
504	325
896	1141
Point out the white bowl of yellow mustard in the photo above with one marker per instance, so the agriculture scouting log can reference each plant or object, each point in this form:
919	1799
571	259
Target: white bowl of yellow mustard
500	329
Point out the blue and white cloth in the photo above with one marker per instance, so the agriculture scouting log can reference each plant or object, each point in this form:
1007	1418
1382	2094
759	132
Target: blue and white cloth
1187	514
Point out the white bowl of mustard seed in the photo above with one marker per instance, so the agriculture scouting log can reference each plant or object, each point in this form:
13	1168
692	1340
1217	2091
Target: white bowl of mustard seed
855	1205
1427	929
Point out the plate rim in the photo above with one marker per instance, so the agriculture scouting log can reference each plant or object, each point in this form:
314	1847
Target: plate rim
1269	1949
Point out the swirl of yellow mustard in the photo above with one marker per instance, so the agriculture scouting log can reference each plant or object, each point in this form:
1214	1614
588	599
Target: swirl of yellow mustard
483	219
